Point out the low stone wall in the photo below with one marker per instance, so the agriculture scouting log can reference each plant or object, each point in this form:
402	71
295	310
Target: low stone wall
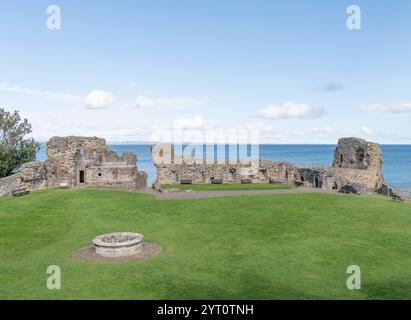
32	176
9	185
229	173
317	178
110	177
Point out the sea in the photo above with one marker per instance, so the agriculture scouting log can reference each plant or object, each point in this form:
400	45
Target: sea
396	166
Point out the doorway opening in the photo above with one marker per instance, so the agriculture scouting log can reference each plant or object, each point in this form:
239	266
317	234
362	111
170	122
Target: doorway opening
81	176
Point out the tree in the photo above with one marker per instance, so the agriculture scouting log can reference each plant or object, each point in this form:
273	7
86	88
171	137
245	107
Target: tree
14	149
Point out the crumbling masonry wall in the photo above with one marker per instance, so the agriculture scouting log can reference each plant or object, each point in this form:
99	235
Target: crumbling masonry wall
171	169
357	163
87	161
32	176
77	161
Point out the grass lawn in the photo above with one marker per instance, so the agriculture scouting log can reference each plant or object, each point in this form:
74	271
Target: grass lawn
229	187
294	246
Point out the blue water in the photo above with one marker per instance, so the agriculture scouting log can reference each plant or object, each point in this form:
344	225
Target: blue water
396	168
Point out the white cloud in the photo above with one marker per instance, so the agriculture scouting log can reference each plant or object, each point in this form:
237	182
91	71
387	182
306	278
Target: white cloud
99	99
399	107
96	99
367	130
143	101
49	95
196	122
291	110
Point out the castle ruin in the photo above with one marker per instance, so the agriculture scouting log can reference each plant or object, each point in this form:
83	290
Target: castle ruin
357	163
87	161
76	162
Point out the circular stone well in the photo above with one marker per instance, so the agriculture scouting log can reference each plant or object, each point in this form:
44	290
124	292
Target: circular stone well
118	244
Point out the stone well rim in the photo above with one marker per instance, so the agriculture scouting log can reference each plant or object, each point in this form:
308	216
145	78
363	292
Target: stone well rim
137	238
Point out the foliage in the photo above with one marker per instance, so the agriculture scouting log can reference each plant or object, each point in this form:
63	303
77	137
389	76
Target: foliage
14	148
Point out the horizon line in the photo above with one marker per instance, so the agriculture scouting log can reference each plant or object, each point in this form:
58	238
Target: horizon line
226	144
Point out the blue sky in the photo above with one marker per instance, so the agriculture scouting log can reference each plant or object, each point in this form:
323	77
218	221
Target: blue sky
290	69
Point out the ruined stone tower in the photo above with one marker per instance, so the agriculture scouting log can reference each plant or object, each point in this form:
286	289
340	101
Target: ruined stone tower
357	162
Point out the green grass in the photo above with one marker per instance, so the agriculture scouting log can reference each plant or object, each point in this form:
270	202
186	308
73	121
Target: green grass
294	246
229	187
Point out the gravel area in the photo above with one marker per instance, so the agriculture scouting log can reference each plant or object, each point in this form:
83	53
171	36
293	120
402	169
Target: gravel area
164	195
88	253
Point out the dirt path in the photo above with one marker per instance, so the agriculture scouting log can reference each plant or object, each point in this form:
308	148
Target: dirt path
215	194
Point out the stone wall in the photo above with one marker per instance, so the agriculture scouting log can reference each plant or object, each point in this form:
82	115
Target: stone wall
32	176
87	161
317	178
9	185
77	161
121	177
357	163
172	170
